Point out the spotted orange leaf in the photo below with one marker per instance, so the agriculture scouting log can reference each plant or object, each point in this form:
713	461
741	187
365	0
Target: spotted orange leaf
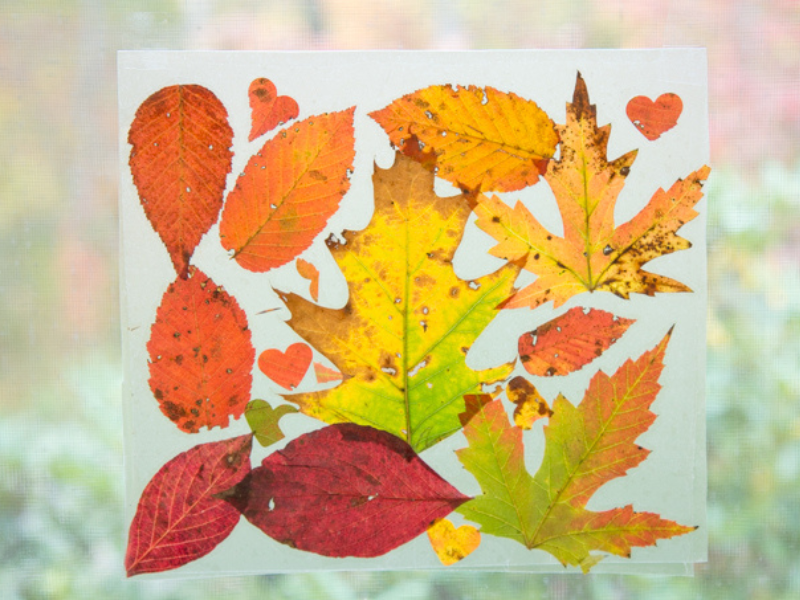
268	110
179	161
570	341
201	356
593	254
288	191
585	447
478	138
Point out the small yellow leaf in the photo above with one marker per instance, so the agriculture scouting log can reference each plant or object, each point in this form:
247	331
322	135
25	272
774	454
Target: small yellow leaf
451	544
531	406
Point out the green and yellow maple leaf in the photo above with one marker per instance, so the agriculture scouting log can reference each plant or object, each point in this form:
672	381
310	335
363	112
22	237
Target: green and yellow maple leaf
586	446
402	338
593	254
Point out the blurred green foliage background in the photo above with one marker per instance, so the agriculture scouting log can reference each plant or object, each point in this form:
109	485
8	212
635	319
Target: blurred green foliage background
61	529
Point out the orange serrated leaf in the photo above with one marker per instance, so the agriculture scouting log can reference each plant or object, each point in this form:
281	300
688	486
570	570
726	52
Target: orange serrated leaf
267	109
310	272
480	138
288	191
201	356
450	544
570	341
593	255
531	406
287	369
179	161
585	447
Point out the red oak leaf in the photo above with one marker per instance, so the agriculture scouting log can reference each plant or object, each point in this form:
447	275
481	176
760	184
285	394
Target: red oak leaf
178	519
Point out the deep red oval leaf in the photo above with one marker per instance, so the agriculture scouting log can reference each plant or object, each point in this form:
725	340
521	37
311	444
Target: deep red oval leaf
345	490
570	341
201	354
180	159
178	519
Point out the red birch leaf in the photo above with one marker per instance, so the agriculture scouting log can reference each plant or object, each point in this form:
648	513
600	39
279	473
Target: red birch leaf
268	110
345	490
310	272
570	341
201	356
288	191
178	519
180	159
654	118
585	447
287	369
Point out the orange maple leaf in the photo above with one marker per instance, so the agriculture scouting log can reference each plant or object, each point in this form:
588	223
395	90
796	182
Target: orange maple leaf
593	254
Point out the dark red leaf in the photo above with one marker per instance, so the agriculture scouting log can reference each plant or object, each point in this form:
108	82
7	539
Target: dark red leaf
201	356
178	519
345	490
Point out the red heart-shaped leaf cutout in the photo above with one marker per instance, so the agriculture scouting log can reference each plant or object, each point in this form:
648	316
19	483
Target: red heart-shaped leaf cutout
287	369
654	118
268	110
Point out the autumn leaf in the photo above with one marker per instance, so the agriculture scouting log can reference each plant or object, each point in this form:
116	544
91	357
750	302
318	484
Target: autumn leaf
288	191
178	519
593	254
310	272
267	109
531	406
585	447
450	544
480	138
264	420
179	161
201	356
345	490
654	118
326	374
402	338
287	369
570	341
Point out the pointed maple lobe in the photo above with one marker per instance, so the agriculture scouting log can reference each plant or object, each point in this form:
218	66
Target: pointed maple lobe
180	159
178	519
201	356
288	191
593	254
570	341
479	138
268	110
345	490
585	447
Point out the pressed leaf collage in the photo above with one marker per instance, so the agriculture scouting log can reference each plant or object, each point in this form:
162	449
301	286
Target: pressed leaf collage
378	381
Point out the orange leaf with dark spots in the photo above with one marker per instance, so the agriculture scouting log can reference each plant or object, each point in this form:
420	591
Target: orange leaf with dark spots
201	356
178	519
268	110
288	191
570	341
287	369
180	160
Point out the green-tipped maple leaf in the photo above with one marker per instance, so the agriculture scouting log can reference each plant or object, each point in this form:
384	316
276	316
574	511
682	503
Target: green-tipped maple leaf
402	338
586	446
593	254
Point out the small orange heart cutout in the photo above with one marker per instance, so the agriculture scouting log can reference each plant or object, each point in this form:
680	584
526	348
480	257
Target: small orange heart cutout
267	108
451	544
287	369
654	118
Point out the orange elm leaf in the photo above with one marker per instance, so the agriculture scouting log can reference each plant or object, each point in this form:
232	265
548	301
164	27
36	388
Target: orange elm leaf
593	254
450	544
570	341
654	118
268	110
178	519
201	356
288	191
345	490
585	447
481	138
287	369
179	161
310	272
